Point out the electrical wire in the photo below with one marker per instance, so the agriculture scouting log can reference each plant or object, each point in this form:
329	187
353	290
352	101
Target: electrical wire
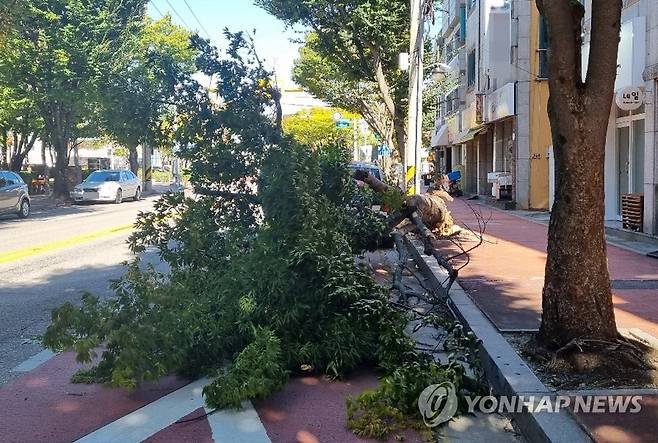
196	18
157	9
178	15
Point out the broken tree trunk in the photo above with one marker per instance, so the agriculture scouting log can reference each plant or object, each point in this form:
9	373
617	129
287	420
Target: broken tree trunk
431	207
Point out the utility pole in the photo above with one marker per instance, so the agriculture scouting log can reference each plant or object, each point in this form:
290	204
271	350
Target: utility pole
415	116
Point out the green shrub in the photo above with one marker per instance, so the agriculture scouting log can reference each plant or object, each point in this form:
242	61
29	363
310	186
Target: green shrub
261	284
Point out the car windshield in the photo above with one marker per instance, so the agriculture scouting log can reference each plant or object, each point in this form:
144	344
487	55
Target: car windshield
103	176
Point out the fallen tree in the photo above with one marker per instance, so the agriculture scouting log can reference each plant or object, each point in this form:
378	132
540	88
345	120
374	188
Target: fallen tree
431	207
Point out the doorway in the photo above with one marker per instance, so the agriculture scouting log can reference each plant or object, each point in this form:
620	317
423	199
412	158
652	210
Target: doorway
630	156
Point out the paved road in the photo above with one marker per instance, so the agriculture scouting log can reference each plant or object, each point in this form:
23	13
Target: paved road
51	258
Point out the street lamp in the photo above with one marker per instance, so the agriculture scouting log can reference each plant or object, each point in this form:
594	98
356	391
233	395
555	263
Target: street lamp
439	71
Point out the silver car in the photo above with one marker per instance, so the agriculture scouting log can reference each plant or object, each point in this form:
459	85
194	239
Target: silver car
108	185
14	197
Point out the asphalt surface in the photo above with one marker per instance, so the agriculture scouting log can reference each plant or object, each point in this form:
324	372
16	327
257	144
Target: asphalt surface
53	257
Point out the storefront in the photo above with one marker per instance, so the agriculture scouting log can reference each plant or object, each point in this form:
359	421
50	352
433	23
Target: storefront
499	115
628	145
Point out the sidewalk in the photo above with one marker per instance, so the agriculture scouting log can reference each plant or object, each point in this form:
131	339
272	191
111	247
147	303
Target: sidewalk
504	277
43	406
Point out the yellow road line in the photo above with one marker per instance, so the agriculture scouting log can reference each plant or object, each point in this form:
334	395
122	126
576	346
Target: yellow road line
17	254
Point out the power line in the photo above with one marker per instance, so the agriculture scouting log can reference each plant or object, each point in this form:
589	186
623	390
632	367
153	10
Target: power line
157	9
196	18
178	15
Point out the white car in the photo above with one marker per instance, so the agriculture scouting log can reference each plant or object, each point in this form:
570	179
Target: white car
110	185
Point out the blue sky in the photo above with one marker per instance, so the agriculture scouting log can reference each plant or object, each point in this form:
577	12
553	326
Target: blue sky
272	40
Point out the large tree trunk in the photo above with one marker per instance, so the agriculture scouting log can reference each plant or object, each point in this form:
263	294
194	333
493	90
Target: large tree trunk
61	187
16	163
133	159
395	112
58	131
23	144
577	299
3	149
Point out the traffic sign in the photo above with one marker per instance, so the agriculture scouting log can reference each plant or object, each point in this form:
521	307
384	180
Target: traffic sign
384	150
343	123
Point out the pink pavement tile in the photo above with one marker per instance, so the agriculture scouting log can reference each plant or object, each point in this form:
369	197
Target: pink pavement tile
505	274
311	409
193	431
43	406
624	428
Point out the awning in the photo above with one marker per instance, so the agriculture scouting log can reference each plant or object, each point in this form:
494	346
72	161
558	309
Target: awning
440	137
469	134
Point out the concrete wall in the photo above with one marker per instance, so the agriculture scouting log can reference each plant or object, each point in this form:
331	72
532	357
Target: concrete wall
651	127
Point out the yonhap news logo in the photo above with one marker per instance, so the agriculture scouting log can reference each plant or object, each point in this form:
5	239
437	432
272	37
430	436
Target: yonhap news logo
438	404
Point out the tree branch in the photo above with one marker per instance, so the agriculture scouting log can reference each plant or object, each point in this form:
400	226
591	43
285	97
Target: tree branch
605	32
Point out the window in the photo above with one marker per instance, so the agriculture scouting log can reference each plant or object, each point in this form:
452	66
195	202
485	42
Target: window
471	5
471	68
462	24
542	49
17	178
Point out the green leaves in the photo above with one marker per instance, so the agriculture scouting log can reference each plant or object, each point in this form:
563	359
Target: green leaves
256	373
262	277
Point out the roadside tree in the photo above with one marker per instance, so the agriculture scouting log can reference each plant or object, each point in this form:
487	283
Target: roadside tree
316	128
58	51
138	92
20	126
577	299
325	80
362	39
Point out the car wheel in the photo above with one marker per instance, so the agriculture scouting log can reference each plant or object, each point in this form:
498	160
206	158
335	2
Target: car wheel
24	210
119	197
138	194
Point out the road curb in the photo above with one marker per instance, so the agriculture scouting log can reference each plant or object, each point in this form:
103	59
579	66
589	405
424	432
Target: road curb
506	371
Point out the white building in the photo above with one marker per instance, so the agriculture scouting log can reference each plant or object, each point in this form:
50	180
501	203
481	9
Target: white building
631	157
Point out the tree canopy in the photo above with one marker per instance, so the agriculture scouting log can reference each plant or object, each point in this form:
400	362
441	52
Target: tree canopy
324	79
362	40
316	128
137	93
57	52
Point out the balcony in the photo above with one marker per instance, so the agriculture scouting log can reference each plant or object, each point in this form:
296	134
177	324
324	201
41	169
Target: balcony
451	19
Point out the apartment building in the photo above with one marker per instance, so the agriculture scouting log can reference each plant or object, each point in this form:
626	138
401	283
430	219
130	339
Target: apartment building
631	153
492	124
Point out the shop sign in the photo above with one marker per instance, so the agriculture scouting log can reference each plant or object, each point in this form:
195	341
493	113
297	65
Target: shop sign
630	99
500	103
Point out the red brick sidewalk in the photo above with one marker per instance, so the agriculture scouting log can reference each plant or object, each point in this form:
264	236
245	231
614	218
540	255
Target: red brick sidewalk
504	276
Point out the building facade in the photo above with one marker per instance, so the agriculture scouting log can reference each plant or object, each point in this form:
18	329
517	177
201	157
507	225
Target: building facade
631	151
493	125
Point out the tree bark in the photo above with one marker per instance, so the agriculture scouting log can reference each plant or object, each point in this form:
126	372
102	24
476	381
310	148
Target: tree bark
61	187
394	111
23	144
59	132
577	298
3	149
133	159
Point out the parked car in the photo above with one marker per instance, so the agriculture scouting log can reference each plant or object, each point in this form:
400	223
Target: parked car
14	196
108	185
367	167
